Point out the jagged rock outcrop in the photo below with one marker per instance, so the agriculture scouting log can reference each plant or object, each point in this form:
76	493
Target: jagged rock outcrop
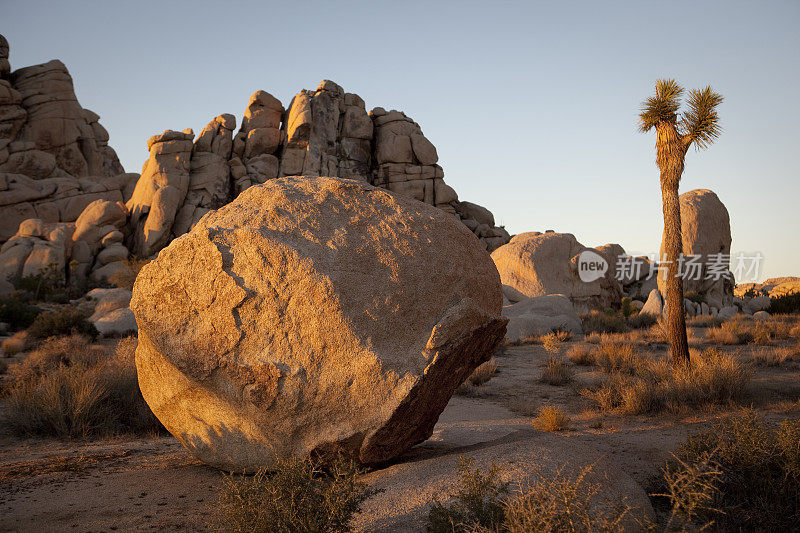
538	264
54	155
325	132
313	314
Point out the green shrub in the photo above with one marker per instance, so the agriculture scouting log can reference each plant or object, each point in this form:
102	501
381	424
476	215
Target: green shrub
758	485
17	313
70	388
299	495
48	282
65	321
478	503
787	303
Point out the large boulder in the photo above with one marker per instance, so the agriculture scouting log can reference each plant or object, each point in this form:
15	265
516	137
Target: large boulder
309	315
537	264
706	238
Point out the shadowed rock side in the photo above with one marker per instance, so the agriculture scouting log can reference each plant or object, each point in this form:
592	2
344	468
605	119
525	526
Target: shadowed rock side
313	314
54	154
325	132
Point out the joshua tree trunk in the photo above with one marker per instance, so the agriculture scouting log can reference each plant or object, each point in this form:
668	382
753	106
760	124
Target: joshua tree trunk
671	149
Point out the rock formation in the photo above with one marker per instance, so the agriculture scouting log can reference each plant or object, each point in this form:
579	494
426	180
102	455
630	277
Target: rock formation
309	315
540	315
538	264
54	155
705	232
326	132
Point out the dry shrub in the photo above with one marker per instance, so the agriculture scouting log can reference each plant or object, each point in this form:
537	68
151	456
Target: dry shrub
690	489
551	418
713	378
580	354
704	321
68	387
478	503
772	356
15	343
64	321
642	321
617	357
299	495
483	373
125	278
548	502
600	322
556	372
551	343
593	338
758	485
559	502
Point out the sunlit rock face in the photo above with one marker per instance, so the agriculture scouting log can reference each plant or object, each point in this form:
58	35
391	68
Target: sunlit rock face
324	132
309	315
537	264
705	232
54	154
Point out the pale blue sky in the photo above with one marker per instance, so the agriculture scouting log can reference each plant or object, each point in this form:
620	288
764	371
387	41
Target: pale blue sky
532	106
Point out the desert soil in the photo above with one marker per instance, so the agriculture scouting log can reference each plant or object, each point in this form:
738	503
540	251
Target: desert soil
152	483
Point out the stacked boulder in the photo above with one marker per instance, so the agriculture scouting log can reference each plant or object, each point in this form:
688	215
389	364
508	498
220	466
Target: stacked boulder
98	251
326	132
54	155
37	249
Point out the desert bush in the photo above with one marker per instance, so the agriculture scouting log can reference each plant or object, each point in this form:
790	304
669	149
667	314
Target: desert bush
551	418
713	378
298	495
556	372
483	373
16	343
734	331
604	322
641	321
773	356
17	313
125	278
70	388
548	502
48	282
690	489
787	303
704	321
580	354
559	502
617	357
478	503
551	343
758	485
65	321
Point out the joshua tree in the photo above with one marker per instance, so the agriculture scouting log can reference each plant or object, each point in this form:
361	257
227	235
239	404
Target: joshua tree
674	135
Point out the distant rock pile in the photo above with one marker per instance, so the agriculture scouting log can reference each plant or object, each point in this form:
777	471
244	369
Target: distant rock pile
55	161
54	155
326	132
305	317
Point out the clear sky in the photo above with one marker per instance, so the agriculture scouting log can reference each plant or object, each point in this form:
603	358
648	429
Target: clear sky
531	105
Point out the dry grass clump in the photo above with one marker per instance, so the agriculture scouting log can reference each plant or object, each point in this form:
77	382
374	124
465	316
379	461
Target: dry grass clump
642	321
600	322
298	495
704	321
713	378
556	372
747	475
580	354
744	330
483	373
551	418
773	356
69	388
548	502
125	278
617	357
15	343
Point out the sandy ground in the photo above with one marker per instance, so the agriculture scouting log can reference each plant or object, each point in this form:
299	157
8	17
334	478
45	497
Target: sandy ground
152	483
